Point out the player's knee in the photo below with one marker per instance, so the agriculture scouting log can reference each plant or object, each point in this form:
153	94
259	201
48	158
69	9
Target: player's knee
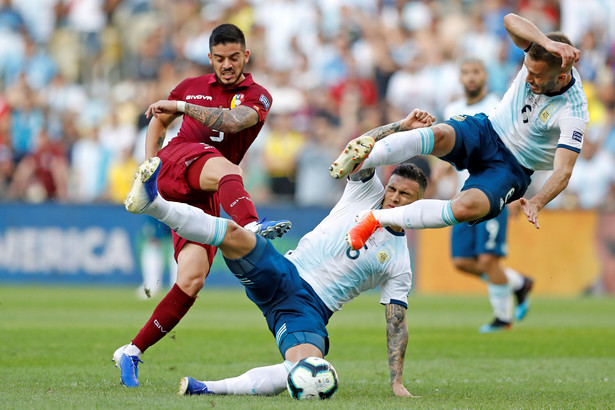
191	282
444	139
215	170
459	264
235	233
488	263
465	265
470	206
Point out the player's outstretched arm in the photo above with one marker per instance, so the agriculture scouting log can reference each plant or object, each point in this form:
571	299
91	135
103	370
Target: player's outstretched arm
218	119
156	133
562	170
358	149
397	341
416	119
523	32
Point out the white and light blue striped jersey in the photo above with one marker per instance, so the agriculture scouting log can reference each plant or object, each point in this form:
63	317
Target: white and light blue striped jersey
337	273
533	126
461	106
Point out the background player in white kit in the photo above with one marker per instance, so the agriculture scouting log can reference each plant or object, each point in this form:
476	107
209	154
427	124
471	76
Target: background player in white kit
477	249
299	292
538	125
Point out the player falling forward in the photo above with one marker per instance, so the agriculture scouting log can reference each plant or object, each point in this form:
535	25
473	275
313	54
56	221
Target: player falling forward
538	125
299	292
477	249
222	113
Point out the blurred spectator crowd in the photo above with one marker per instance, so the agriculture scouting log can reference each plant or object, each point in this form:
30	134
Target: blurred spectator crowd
76	77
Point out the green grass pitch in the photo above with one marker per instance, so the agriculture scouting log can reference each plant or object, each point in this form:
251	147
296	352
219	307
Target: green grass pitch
57	345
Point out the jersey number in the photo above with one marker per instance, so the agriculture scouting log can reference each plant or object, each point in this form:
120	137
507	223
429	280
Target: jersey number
525	113
219	138
493	227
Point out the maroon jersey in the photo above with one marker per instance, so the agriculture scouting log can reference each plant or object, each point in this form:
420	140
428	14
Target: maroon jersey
206	91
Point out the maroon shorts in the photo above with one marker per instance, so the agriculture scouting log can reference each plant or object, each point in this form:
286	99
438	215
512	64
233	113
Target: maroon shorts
173	185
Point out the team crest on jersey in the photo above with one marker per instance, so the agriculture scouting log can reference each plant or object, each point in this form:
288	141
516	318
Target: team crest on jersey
237	100
459	117
383	256
546	113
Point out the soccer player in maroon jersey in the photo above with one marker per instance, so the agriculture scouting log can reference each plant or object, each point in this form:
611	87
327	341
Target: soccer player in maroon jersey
223	114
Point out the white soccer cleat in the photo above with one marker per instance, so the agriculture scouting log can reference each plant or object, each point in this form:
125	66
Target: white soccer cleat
117	355
353	156
145	188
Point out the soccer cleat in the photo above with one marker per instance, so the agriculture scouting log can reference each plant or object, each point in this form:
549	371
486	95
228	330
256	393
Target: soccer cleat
129	371
496	326
360	233
523	300
350	160
189	386
144	189
269	229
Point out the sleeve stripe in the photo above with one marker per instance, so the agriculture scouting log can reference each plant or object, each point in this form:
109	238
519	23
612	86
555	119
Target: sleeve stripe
577	150
398	302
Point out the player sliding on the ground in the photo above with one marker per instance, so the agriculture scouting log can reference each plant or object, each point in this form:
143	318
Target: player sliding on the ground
538	125
298	292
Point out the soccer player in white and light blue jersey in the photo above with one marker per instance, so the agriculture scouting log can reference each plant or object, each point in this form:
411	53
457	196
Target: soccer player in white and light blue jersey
299	292
538	125
478	249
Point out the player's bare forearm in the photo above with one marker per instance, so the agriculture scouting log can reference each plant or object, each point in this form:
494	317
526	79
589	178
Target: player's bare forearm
557	182
416	119
156	134
379	133
523	32
230	121
397	340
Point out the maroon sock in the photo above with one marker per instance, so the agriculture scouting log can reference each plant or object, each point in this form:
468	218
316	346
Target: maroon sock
235	201
167	314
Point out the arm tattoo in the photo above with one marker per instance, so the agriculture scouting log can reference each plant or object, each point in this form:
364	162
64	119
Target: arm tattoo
362	174
218	119
377	134
381	132
161	139
397	339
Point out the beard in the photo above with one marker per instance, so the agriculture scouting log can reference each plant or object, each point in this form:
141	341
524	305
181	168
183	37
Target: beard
474	93
549	87
236	75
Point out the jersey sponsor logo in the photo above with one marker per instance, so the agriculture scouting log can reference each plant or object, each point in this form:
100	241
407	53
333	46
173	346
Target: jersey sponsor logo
577	136
459	117
198	97
546	113
237	100
383	256
265	101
